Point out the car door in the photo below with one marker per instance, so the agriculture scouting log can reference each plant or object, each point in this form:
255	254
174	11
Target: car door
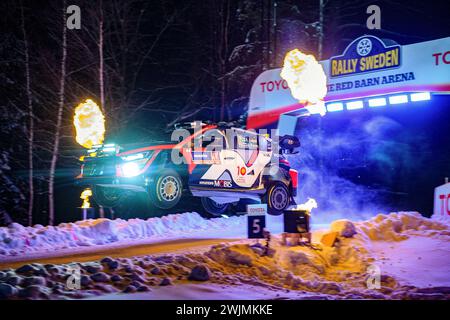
241	164
206	154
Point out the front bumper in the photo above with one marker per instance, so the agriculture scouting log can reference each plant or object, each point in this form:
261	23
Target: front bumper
135	184
90	181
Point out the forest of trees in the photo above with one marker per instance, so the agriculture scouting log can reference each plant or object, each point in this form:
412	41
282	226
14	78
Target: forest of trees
148	64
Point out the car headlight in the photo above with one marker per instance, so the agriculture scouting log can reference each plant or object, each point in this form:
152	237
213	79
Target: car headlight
131	169
133	164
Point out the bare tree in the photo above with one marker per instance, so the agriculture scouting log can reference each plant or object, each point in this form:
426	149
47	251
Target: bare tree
55	151
31	122
100	57
223	52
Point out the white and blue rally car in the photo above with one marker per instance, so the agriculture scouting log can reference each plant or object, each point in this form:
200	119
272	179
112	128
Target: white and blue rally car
220	164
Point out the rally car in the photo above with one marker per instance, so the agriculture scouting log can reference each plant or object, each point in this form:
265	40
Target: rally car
220	164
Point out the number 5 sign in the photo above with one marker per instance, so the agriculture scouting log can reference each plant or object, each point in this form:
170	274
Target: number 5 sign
256	220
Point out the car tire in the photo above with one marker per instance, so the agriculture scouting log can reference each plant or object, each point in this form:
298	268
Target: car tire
107	197
212	208
166	190
120	203
277	198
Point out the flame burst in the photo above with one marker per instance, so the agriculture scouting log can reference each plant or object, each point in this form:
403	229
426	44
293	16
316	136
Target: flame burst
306	80
85	195
89	124
308	205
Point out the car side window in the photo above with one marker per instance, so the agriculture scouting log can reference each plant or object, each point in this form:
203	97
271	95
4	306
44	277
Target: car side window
214	140
246	140
264	143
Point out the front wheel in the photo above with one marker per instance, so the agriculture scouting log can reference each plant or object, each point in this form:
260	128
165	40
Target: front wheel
166	190
120	203
277	198
108	197
213	208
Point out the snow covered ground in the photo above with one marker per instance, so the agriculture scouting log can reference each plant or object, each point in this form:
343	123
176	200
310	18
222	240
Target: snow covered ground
412	254
19	243
39	241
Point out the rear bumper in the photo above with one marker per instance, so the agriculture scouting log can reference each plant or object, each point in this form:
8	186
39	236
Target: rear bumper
294	181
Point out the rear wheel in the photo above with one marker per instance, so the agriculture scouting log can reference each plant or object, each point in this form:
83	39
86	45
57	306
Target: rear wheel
214	209
277	198
166	190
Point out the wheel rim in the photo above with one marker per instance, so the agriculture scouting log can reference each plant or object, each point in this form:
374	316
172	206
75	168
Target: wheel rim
169	188
279	198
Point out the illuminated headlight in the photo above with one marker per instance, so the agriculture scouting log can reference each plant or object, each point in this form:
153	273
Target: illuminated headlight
131	169
134	163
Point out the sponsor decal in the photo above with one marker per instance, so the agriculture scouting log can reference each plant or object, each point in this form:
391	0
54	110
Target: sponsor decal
206	182
365	54
223	184
372	81
201	155
442	202
206	157
242	171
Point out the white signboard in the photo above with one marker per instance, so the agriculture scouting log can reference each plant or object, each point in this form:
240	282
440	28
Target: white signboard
442	203
368	67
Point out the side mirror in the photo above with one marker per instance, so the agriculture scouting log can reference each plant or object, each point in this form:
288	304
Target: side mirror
289	143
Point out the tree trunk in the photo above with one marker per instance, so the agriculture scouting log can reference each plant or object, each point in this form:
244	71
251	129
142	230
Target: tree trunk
101	72
320	45
224	56
30	124
62	82
101	65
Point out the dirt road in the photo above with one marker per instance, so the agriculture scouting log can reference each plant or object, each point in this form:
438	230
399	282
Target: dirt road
127	251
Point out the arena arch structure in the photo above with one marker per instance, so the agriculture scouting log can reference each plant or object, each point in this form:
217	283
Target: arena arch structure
385	137
369	74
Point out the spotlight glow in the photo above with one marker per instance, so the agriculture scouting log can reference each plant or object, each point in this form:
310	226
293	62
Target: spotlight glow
420	96
354	105
335	106
398	99
377	102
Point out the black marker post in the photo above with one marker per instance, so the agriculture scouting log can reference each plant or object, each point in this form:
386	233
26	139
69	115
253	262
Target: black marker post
256	220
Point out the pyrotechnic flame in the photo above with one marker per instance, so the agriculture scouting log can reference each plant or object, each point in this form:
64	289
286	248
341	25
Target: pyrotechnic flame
308	205
85	195
89	123
306	80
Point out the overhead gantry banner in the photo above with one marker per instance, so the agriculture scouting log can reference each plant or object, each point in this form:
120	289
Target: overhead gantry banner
369	67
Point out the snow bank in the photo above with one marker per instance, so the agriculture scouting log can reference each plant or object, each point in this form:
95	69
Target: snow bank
339	272
399	226
17	239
